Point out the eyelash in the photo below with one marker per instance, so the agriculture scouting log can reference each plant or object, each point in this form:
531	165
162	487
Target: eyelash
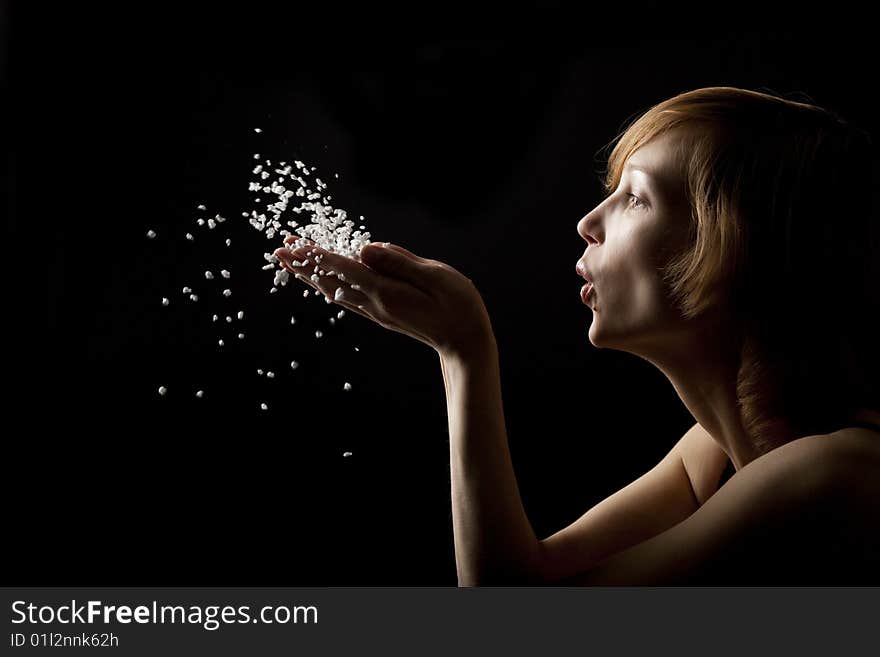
640	201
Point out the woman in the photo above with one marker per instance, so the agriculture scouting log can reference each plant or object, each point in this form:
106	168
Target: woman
729	213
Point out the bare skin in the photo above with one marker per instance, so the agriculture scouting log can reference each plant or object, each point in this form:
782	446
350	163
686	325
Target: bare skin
673	523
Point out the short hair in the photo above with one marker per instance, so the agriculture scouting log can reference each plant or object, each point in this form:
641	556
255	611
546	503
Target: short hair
783	238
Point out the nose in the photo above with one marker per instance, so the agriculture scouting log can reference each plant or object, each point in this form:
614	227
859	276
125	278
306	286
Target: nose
587	228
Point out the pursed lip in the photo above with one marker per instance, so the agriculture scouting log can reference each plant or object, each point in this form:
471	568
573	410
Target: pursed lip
581	270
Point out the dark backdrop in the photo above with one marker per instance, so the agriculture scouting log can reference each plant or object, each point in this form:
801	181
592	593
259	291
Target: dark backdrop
481	151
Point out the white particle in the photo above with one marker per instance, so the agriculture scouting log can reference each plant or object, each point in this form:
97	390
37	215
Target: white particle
346	387
355	286
241	336
256	156
338	294
227	292
187	290
220	342
228	241
317	293
270	374
200	222
346	453
336	174
327	300
211	223
257	130
165	301
189	237
264	407
305	293
273	290
356	349
224	273
340	314
162	390
332	321
293	319
201	207
209	275
240	314
151	234
215	318
318	334
293	364
228	319
200	394
260	372
268	267
194	297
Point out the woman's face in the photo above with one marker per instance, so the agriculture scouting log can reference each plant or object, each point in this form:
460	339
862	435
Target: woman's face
629	236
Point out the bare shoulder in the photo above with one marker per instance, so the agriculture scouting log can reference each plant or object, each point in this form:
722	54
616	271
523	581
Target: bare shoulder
798	514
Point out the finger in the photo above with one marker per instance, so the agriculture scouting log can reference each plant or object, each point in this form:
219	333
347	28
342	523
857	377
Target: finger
394	263
293	237
399	248
352	271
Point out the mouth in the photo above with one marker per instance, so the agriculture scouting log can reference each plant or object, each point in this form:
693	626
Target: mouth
586	290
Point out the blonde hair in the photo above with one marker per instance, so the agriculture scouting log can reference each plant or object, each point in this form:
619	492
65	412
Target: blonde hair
784	240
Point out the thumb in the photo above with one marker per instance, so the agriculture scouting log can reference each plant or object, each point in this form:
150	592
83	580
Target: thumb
388	261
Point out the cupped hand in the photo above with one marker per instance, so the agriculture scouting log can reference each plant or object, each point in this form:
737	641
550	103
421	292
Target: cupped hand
425	299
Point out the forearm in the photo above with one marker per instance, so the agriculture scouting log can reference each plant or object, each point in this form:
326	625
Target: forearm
494	541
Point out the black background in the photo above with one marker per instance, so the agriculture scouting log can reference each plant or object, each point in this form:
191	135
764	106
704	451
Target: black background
478	147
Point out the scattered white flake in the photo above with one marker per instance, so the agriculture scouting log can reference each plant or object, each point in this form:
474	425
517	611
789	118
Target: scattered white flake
318	293
224	273
293	319
241	336
200	394
220	342
209	275
240	314
187	290
346	387
260	372
228	319
355	286
227	292
200	222
332	321
318	334
165	301
256	156
305	293
338	294
293	364
215	318
211	223
228	241
257	130
264	407
336	174
151	234
189	237
268	267
194	297
270	374
201	207
273	290
340	314
356	349
162	390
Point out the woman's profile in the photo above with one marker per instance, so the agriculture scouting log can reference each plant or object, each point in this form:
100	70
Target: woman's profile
736	250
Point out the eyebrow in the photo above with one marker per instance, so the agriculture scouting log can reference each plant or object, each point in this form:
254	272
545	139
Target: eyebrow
639	167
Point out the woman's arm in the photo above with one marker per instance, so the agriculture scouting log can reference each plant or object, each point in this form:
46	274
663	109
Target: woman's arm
494	541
